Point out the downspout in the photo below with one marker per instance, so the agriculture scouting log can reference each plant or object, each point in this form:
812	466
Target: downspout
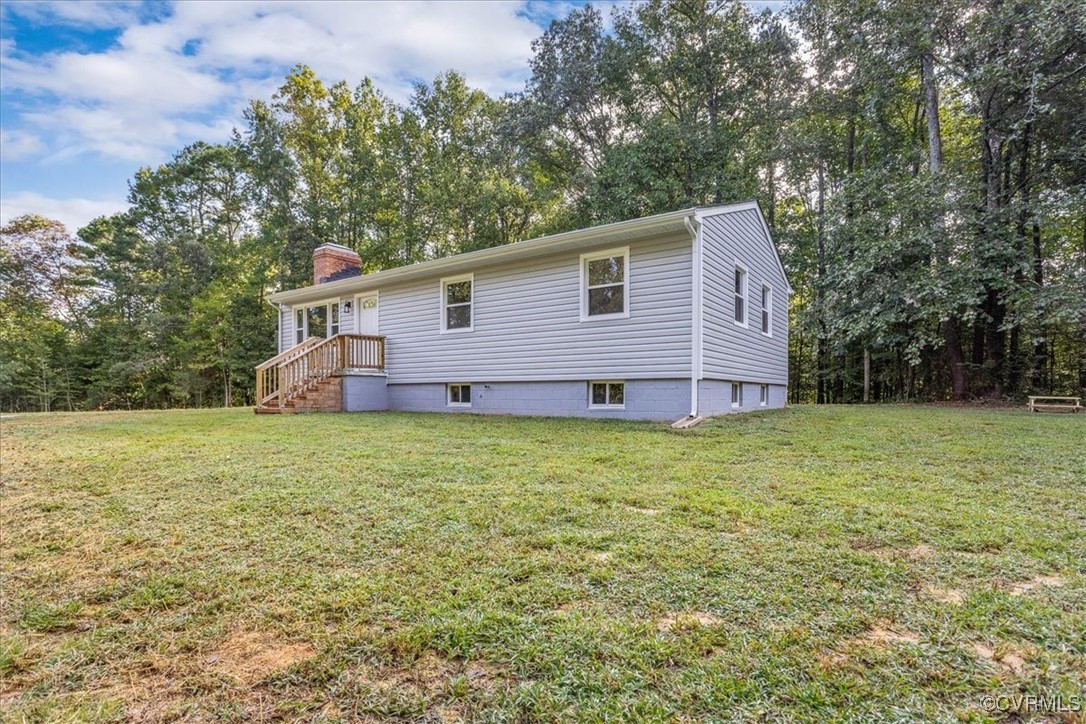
693	225
278	323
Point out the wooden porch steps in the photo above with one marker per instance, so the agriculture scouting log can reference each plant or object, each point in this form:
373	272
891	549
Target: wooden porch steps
306	377
323	396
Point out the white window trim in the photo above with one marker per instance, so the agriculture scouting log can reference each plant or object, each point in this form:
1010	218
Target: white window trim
763	396
745	324
304	307
445	281
737	404
448	394
768	332
294	323
607	382
624	252
358	309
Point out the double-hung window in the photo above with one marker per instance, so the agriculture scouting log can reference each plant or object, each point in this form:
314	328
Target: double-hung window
737	394
606	394
457	303
605	284
767	310
740	289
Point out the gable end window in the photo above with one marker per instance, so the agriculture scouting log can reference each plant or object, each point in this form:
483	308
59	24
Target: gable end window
604	394
605	284
767	310
457	303
740	289
458	395
737	394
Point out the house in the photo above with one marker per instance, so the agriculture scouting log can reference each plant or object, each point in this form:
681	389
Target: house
674	315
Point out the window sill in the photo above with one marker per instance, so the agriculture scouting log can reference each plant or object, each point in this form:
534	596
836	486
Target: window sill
458	330
744	325
604	317
606	407
460	405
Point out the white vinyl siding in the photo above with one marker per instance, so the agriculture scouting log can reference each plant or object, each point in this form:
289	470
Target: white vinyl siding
527	322
729	351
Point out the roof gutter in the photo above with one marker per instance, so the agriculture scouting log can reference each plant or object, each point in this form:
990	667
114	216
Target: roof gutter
693	225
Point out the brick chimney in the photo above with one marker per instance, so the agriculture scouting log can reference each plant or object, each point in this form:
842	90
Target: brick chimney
333	261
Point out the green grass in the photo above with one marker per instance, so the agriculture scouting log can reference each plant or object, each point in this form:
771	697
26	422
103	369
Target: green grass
810	563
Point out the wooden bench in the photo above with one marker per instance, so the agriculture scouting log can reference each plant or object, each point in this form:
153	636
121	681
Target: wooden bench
1055	404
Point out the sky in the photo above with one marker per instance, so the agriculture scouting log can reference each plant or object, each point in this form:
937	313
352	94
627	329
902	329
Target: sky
90	90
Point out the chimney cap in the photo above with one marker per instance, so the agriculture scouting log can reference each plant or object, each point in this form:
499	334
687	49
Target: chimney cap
337	247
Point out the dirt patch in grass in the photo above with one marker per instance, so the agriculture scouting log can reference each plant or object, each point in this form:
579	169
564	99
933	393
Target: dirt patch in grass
892	635
644	511
920	552
1007	658
602	556
431	674
153	699
945	595
1023	587
684	620
252	656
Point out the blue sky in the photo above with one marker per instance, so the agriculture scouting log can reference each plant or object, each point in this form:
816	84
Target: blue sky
92	90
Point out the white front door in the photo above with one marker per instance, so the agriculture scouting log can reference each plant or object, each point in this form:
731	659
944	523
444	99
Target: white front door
367	315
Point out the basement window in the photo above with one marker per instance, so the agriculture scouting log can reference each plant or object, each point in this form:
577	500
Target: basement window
737	394
763	395
607	394
458	395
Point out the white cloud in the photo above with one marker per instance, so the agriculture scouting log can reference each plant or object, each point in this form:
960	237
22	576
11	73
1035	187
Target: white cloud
19	145
84	13
169	79
73	213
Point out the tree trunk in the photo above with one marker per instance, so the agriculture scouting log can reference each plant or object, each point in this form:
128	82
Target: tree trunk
821	350
950	326
867	375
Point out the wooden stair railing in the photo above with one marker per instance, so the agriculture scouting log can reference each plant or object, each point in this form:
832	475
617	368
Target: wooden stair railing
300	368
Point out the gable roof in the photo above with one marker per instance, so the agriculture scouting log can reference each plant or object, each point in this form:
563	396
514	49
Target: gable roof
618	232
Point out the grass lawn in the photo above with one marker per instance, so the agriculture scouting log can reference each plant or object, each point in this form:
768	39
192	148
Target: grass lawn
809	563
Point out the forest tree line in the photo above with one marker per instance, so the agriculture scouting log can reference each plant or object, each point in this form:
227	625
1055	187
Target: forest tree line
922	168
